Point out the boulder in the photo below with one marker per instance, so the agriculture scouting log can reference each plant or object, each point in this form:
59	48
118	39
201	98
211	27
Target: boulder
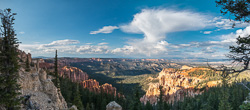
113	106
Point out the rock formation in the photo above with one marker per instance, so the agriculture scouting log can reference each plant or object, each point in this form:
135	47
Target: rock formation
38	90
113	106
73	73
23	56
94	86
175	84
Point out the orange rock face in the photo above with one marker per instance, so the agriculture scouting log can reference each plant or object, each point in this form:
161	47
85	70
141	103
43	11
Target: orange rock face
94	86
174	85
73	73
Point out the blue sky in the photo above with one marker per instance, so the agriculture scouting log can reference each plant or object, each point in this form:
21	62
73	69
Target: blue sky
124	28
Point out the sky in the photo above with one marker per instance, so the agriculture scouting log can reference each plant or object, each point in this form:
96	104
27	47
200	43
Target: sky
124	28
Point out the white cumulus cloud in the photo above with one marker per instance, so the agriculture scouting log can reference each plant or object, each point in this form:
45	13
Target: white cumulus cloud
92	49
105	29
154	24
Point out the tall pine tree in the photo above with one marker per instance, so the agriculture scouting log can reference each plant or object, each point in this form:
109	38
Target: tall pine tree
160	102
224	99
137	103
77	99
56	73
9	88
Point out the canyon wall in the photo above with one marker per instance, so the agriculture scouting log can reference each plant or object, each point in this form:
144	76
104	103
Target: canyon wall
94	86
73	73
175	84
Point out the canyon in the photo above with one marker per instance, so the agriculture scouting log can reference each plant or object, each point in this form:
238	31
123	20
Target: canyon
176	84
77	75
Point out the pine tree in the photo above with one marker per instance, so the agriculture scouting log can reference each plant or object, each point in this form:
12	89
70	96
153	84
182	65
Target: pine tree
121	87
27	64
137	103
56	73
224	103
9	88
160	102
93	106
103	104
77	99
166	106
149	106
87	107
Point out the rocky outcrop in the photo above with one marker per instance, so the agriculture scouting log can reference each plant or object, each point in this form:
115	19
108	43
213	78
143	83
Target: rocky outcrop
94	86
174	84
108	88
39	91
113	106
23	56
73	73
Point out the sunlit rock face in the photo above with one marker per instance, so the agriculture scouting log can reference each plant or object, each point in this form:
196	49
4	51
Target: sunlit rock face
175	84
94	86
73	73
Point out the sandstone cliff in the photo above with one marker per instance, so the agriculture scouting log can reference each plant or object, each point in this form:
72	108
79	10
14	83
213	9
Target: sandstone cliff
38	90
73	73
174	86
94	86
